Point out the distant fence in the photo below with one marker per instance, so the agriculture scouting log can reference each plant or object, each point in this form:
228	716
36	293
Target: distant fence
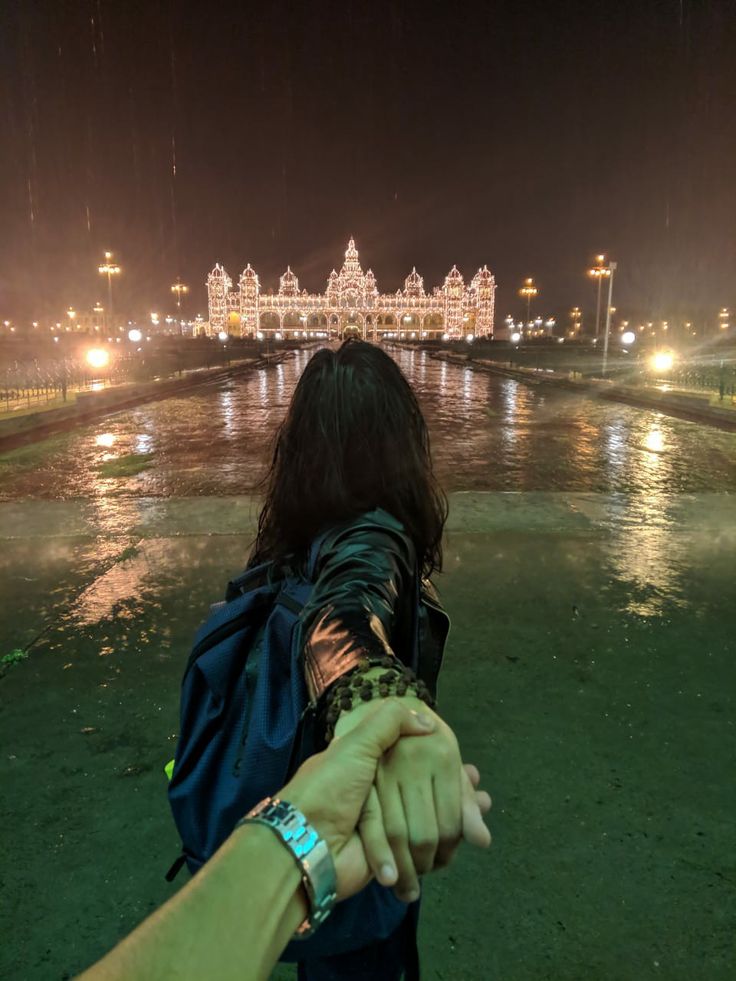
711	377
704	372
33	383
30	383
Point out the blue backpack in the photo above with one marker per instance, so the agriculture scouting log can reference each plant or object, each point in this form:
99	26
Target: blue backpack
246	725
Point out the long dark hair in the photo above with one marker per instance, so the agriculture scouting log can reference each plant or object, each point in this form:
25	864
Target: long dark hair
353	439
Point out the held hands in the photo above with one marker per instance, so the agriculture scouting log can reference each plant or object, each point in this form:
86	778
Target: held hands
423	802
331	790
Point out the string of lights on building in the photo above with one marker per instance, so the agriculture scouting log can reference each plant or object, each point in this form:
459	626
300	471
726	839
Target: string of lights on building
352	304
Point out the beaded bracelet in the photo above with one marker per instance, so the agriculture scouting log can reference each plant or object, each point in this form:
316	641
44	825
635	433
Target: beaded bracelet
396	680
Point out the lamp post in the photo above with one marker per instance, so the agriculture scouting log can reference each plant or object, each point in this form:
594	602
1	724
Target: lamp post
99	310
599	271
610	271
527	291
109	268
575	317
179	289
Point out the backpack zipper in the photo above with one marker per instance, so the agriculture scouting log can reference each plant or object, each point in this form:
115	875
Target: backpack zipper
253	660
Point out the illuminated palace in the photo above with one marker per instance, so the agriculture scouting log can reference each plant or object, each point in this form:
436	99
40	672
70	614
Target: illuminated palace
351	304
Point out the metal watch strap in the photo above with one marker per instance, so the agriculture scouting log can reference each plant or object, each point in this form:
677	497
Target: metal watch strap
310	852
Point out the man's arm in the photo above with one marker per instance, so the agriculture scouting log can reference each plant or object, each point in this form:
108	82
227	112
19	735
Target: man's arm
238	913
231	921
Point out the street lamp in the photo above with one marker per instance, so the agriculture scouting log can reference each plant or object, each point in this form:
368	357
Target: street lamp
610	270
97	357
109	268
599	271
99	319
662	361
180	289
527	291
724	318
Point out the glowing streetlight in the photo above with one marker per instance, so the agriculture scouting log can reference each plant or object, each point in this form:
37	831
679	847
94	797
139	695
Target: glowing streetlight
600	272
662	361
109	268
528	291
628	338
97	357
71	314
724	318
179	289
576	318
135	335
223	335
515	337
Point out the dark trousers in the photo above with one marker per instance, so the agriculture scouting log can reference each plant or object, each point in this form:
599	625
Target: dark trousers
391	959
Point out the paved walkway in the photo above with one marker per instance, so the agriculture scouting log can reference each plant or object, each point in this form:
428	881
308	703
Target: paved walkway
590	674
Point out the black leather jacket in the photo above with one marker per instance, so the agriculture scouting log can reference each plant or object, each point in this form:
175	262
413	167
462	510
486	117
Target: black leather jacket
363	603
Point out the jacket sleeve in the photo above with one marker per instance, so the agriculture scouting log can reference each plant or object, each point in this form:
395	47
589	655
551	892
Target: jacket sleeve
360	585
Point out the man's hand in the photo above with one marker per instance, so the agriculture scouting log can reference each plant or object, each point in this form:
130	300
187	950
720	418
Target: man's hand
330	789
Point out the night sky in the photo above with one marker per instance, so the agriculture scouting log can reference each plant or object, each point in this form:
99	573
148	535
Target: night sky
523	135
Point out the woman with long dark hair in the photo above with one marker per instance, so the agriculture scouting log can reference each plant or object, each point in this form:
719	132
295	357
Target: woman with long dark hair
352	458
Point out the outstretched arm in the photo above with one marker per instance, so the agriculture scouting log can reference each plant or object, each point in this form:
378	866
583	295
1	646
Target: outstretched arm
236	916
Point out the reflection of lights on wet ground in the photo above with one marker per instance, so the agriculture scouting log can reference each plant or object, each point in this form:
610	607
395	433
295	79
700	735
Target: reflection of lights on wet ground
615	436
646	552
616	445
654	441
105	439
509	395
228	413
468	377
423	368
143	443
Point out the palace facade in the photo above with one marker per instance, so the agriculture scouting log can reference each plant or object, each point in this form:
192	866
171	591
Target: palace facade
352	304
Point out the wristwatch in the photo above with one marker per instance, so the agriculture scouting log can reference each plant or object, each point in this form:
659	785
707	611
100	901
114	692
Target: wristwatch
310	852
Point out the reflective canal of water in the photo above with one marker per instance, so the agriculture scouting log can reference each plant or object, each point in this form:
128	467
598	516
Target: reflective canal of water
488	433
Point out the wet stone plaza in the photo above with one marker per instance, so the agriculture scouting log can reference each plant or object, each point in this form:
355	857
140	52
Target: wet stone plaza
590	575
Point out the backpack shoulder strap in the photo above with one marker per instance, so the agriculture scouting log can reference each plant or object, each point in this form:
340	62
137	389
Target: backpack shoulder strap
253	578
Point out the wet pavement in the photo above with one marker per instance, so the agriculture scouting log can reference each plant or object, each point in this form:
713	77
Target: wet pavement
590	671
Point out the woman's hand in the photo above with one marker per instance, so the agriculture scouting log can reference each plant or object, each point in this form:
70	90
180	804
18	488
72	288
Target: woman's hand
331	788
423	803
